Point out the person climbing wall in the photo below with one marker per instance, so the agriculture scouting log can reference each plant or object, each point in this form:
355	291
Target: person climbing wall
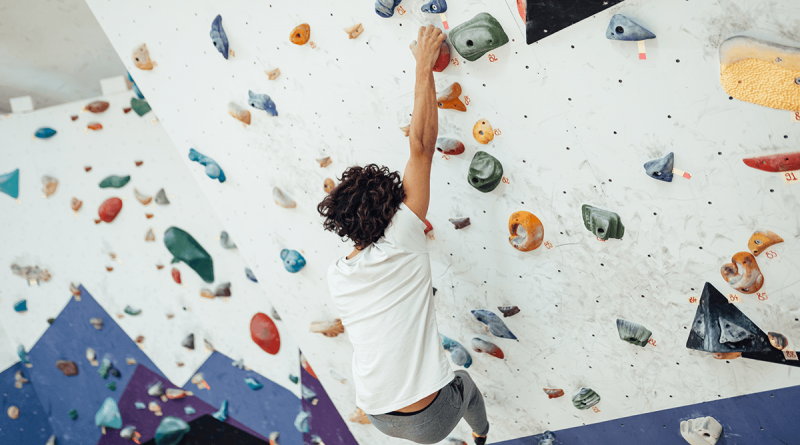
383	288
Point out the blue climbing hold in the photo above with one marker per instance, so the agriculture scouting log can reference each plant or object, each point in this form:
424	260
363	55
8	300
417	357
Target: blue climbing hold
213	170
660	169
548	438
219	37
263	102
222	414
458	353
139	405
301	421
44	133
108	415
253	383
496	325
9	184
170	431
435	6
292	260
307	393
189	410
250	275
385	8
623	28
21	306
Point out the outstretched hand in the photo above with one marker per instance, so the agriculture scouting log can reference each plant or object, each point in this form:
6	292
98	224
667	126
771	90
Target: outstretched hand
426	47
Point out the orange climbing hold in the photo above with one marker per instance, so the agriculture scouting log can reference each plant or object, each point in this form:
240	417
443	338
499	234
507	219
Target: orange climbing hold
265	334
761	241
527	232
328	328
358	416
483	131
449	98
301	34
329	185
553	393
743	273
727	355
95	126
76	204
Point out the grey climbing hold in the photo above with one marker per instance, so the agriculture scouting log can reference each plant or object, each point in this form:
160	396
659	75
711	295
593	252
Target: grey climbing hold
633	333
156	389
548	438
660	169
127	432
623	28
225	241
585	398
161	198
188	342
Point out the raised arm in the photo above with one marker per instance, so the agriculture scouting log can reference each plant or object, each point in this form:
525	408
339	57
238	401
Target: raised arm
424	122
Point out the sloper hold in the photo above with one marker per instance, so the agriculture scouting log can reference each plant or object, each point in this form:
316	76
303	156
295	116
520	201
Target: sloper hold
660	169
354	31
50	185
218	36
743	273
460	223
141	58
444	58
114	181
141	197
775	163
604	224
292	260
458	353
97	106
449	146
778	341
265	334
762	240
185	248
495	324
761	72
449	99
487	347
585	398
385	8
250	275
226	241
701	431
633	333
623	28
719	326
188	342
9	184
161	198
239	113
170	431
140	107
109	209
283	199
435	7
485	172
44	133
253	383
262	102
108	415
300	34
477	36
483	131
328	328
358	416
213	170
527	232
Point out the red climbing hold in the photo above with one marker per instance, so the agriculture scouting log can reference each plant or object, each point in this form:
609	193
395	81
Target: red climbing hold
444	58
265	334
109	209
428	227
176	275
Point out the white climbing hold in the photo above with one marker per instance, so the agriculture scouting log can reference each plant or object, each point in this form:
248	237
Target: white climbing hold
701	431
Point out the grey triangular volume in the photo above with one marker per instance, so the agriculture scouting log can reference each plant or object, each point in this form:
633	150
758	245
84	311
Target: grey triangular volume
623	28
188	342
719	326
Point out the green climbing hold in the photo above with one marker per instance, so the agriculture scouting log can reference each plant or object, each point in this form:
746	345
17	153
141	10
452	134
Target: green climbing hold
604	224
585	398
112	385
477	36
114	181
170	431
73	414
185	248
485	172
294	378
105	368
141	107
108	415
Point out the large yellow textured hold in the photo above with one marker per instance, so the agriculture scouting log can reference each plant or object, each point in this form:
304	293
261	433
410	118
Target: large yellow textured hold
762	83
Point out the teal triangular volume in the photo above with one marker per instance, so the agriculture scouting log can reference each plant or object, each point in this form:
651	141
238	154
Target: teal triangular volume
9	184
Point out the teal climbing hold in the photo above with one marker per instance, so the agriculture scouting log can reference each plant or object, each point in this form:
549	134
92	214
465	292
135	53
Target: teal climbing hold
189	410
170	431
139	405
9	184
112	385
105	368
114	181
23	356
141	107
44	133
185	248
294	378
108	415
253	384
73	414
222	414
21	306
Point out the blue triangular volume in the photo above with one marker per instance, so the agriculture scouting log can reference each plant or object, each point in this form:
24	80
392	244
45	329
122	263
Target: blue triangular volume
32	425
9	184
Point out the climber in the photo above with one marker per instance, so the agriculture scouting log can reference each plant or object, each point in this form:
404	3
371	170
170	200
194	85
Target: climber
383	288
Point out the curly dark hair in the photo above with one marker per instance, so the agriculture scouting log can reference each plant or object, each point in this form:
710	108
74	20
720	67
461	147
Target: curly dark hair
361	207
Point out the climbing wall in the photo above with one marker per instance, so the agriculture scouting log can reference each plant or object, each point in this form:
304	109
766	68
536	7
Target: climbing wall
575	116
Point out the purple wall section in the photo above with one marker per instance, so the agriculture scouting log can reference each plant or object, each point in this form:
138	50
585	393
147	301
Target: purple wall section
325	420
32	425
271	408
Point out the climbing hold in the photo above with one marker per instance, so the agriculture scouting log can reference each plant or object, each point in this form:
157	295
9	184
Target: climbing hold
139	405
188	342
223	290
241	114
153	406
477	36
633	333
189	410
480	345
23	355
495	324
206	293
553	393
292	260
308	393
74	117
459	223
444	58
385	8
775	163
250	275
9	183
161	198
94	126
458	353
44	133
449	99
76	204
218	36
19	379
109	209
328	185
603	223
548	438
141	107
527	232
129	432
761	241
273	74
170	431
701	431
354	31
660	169
91	355
435	7
301	421
428	227
213	170
328	328
485	172
743	273
508	310
177	393
273	438
21	306
449	146
294	378
253	384
358	416
141	197
97	322
33	274
108	415
264	333
300	34
112	386
185	248
483	132
324	162
114	181
141	58
50	185
585	398
760	72
455	441
623	28
222	413
719	326
406	130
726	355
778	341
69	368
13	412
176	275
225	241
263	102
51	440
156	389
115	372
105	368
72	414
150	235
274	314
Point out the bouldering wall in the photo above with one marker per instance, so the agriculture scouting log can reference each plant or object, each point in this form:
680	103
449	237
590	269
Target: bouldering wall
574	117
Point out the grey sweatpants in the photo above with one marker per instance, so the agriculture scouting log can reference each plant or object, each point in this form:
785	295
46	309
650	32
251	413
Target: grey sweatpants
460	398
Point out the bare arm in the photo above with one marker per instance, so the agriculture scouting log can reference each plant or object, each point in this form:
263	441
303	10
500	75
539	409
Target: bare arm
424	122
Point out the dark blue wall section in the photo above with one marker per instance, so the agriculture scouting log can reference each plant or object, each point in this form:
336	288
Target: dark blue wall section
32	425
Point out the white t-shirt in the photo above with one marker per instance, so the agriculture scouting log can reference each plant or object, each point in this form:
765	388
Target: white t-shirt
385	299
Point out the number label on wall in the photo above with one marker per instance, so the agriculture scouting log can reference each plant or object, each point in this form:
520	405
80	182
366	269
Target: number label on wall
734	298
790	354
771	254
548	244
492	58
762	296
652	341
791	177
506	181
455	61
795	116
400	10
595	409
693	300
466	100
